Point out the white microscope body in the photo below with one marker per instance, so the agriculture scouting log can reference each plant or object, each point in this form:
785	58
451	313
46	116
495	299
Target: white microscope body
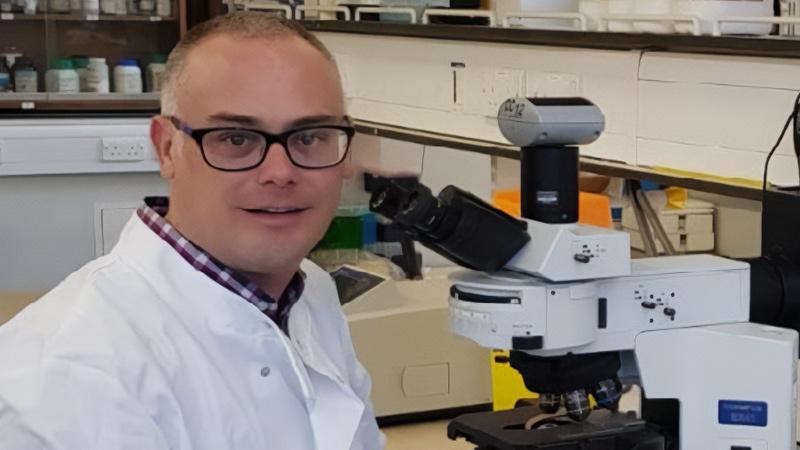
683	317
573	289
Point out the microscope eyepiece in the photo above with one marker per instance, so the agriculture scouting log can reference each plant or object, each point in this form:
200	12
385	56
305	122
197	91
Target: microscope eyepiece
450	222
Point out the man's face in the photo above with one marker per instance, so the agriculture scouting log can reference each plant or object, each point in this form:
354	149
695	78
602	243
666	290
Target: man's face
273	86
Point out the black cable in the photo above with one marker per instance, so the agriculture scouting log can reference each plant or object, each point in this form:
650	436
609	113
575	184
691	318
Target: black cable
780	139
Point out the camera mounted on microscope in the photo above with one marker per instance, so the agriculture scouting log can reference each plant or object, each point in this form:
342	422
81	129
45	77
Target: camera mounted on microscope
548	131
540	122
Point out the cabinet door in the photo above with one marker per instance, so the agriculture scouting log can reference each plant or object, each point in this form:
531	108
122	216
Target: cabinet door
57	38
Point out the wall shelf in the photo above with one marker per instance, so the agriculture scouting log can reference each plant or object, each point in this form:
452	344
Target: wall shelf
588	164
31	104
769	46
12	17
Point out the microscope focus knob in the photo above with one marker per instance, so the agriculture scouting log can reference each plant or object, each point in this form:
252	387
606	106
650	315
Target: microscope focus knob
670	312
582	258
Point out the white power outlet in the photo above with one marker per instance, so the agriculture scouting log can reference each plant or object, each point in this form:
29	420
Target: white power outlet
124	149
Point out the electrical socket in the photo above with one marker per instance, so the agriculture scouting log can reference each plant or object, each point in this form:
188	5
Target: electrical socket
124	149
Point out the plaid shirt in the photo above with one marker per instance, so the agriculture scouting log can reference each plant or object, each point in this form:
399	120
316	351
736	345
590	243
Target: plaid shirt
153	213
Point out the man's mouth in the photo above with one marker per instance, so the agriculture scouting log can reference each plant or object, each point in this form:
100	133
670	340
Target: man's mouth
275	210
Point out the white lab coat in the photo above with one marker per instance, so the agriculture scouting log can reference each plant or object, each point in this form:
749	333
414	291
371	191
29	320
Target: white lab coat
138	350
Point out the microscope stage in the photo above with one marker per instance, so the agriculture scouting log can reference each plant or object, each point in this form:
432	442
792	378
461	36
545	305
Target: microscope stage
603	430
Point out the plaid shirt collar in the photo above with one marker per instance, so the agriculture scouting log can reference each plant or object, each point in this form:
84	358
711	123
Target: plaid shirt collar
152	213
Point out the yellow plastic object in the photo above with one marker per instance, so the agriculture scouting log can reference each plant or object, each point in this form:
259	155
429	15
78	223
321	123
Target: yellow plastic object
736	181
593	209
507	385
676	197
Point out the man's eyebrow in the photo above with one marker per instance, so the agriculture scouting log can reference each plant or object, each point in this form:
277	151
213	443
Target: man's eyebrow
254	122
248	121
317	120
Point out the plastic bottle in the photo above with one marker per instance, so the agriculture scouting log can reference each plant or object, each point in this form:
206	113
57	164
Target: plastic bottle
59	6
97	76
146	7
164	8
30	7
133	7
24	76
62	77
155	72
122	7
80	63
5	77
128	77
108	6
91	6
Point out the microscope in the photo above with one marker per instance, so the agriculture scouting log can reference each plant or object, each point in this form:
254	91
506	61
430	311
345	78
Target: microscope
582	319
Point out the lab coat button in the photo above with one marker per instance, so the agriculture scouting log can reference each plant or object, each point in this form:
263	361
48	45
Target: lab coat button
265	371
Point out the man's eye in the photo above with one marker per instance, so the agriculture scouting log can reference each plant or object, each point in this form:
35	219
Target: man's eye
313	138
307	139
235	139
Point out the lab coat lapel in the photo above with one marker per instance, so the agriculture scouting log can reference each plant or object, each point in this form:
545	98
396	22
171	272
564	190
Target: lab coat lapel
337	410
200	302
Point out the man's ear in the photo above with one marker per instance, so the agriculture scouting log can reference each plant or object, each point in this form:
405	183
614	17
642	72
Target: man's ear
349	169
162	135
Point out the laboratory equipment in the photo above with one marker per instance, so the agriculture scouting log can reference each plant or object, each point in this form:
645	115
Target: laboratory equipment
582	320
399	333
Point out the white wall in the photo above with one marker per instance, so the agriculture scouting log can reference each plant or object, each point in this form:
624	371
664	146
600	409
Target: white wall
706	113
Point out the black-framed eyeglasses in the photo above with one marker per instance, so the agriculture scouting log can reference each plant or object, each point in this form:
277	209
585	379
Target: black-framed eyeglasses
234	149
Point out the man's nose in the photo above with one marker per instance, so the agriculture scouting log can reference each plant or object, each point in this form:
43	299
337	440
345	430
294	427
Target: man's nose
277	167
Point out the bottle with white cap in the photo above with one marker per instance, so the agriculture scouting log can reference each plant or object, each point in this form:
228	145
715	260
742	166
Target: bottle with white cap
128	77
97	76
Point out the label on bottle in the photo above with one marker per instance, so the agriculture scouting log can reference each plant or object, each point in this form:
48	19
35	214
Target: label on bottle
92	17
25	81
7	16
68	85
97	81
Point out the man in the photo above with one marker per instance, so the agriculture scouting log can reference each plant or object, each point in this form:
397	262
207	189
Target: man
205	328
